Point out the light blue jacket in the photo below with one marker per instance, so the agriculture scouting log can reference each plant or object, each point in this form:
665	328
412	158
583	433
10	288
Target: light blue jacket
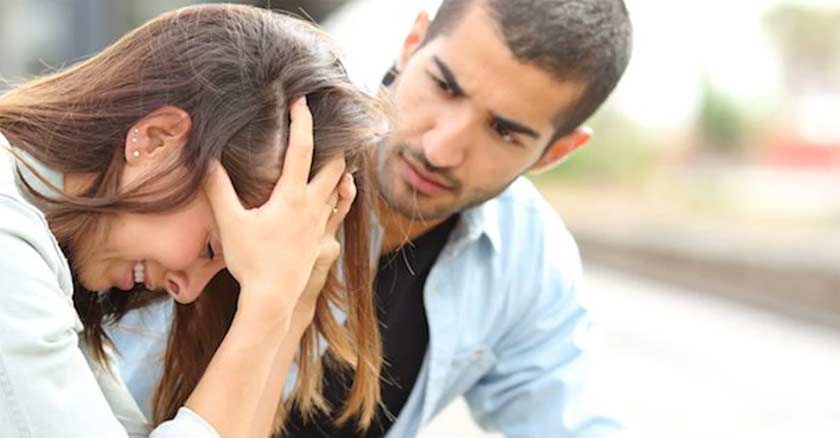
506	328
49	385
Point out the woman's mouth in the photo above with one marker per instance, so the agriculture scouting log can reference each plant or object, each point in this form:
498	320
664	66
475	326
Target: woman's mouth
135	275
139	272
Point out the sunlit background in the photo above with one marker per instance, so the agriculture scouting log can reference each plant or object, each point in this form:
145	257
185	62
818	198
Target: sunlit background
707	206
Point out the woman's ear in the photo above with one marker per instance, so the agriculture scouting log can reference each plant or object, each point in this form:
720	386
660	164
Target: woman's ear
158	136
562	148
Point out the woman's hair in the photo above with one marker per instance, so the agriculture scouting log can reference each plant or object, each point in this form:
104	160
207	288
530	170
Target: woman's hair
235	70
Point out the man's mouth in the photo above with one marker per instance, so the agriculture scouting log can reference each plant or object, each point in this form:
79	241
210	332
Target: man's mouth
421	180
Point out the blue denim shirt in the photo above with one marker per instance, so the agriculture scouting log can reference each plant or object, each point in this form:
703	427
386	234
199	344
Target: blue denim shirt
506	329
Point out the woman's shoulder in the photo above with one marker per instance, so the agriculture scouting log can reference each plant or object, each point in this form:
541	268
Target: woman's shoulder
7	172
20	218
27	246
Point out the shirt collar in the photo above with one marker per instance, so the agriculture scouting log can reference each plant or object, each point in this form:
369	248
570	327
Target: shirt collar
481	220
477	221
27	176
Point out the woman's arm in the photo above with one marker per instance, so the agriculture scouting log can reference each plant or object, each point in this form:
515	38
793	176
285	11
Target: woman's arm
274	252
330	250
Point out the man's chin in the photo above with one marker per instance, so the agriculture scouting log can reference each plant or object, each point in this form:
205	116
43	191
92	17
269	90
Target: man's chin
403	200
422	211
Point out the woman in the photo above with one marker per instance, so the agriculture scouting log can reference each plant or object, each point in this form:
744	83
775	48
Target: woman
157	164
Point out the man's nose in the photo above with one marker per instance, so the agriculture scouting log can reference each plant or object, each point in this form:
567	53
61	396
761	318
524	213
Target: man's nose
446	144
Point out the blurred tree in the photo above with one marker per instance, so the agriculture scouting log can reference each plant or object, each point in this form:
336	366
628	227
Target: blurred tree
721	125
37	36
620	152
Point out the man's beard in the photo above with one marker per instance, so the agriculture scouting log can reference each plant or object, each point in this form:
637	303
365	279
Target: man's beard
410	205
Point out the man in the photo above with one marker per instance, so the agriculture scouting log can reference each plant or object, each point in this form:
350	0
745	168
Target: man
478	278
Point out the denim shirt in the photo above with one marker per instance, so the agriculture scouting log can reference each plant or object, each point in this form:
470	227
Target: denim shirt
507	331
49	384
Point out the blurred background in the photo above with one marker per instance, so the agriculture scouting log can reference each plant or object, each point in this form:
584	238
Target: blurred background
707	207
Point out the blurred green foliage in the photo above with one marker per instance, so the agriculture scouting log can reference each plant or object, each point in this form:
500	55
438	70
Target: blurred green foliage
620	152
722	124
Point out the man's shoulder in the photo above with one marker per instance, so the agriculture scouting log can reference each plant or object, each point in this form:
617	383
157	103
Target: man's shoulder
523	213
531	239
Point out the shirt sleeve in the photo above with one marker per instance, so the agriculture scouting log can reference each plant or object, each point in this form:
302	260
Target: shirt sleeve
186	423
47	387
537	385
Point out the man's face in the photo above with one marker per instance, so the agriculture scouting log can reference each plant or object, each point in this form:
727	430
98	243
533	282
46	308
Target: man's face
470	119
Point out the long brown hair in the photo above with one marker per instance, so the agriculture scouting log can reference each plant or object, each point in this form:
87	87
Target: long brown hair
234	69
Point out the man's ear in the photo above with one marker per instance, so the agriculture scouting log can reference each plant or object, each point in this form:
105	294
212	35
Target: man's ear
160	134
414	39
562	148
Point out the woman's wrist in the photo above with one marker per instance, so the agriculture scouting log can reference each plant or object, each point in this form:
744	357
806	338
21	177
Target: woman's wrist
261	323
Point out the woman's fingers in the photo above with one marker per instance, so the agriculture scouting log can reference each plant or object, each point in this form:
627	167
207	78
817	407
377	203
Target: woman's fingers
346	195
297	161
327	179
220	192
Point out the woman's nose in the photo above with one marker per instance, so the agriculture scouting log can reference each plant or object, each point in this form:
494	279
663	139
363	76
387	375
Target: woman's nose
186	286
177	285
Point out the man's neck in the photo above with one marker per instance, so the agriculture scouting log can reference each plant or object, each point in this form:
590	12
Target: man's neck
399	229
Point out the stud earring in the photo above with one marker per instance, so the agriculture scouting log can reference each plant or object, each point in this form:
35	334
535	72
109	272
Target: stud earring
136	153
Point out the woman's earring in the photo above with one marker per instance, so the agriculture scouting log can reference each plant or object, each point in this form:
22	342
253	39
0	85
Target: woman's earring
135	153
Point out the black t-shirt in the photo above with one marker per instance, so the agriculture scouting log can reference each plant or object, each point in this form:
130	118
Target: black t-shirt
399	283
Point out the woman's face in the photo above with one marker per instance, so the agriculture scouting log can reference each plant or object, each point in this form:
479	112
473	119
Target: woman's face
176	252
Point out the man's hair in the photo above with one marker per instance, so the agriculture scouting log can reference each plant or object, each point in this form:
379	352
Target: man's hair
587	41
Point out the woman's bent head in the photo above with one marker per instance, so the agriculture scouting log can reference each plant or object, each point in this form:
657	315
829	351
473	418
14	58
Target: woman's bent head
135	130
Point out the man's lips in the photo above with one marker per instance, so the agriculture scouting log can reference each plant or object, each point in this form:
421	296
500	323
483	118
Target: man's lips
421	180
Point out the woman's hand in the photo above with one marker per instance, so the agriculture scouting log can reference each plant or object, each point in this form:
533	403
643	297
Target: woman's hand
272	250
329	251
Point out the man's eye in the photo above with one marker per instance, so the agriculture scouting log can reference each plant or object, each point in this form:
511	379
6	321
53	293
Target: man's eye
503	132
442	85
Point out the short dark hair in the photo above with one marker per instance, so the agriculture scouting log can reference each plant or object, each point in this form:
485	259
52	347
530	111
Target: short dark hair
574	40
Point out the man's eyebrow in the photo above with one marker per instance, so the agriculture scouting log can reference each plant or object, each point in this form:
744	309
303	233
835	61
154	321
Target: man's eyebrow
512	126
449	77
453	85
